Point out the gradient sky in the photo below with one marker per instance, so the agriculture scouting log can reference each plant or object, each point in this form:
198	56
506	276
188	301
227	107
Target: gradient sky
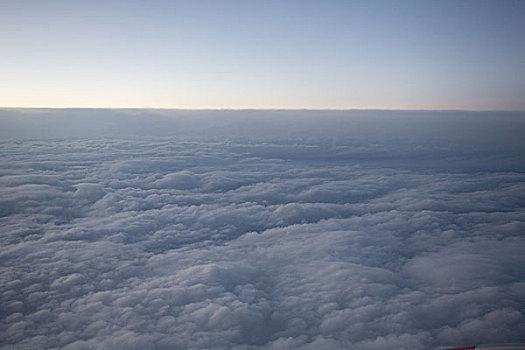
263	54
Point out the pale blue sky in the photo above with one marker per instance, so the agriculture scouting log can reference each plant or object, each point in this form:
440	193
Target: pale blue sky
263	54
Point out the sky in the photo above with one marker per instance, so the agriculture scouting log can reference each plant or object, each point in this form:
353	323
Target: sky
263	54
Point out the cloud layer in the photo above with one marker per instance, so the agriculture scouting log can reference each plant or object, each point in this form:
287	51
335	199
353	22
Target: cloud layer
264	241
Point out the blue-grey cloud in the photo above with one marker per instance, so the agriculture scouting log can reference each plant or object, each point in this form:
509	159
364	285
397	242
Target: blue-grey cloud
224	242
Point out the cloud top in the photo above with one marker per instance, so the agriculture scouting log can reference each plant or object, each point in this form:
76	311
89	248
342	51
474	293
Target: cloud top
263	242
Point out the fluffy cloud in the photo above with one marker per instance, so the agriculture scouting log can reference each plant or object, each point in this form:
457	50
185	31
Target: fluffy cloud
394	240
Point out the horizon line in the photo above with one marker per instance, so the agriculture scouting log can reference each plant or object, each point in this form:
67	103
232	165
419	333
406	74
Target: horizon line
270	109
